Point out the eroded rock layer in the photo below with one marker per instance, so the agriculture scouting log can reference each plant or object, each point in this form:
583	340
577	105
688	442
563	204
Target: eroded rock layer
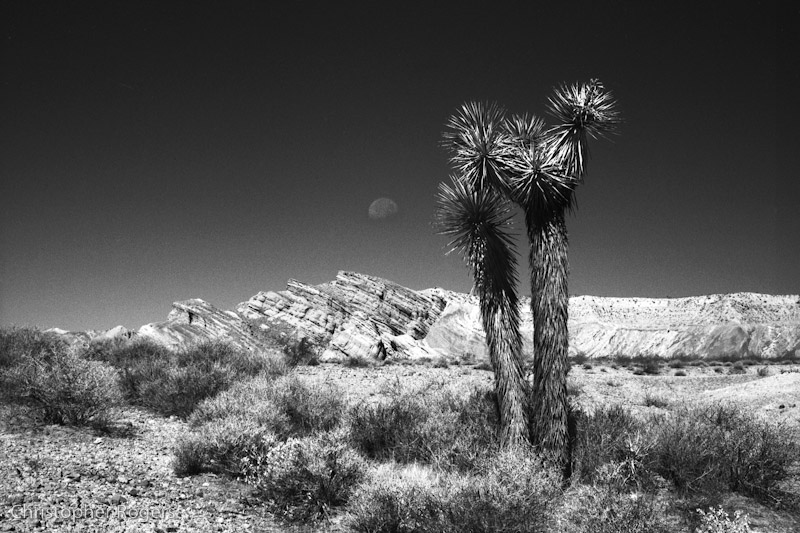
355	315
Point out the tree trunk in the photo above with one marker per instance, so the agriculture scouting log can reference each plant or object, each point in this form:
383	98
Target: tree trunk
550	307
501	325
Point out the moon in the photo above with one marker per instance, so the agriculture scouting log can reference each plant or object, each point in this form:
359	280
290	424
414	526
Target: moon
382	208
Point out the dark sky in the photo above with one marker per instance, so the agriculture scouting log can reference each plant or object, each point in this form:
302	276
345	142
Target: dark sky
157	151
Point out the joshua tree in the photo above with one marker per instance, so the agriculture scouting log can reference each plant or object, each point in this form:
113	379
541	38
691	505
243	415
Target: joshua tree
537	169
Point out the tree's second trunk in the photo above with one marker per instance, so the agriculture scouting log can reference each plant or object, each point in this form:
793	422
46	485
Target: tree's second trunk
550	309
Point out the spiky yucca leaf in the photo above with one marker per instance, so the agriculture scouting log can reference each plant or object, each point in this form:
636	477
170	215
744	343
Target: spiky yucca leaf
582	110
479	144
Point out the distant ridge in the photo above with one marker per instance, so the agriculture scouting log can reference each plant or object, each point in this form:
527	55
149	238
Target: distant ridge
357	315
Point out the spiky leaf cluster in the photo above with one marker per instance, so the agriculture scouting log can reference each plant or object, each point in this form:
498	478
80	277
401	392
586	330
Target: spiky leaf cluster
478	220
582	111
480	151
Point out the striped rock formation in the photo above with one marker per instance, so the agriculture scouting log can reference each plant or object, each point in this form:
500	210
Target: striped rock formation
357	315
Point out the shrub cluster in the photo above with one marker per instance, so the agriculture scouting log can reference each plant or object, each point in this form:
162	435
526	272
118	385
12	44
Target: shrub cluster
281	435
718	521
436	427
233	424
42	371
174	382
721	448
510	492
609	436
303	478
699	450
609	508
298	349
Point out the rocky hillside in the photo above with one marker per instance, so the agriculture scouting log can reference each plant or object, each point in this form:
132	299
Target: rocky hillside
357	315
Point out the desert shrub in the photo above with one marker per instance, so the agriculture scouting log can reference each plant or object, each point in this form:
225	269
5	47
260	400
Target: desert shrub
737	368
286	406
587	366
298	349
721	448
18	344
464	431
239	422
610	436
401	499
355	362
622	360
218	446
653	400
676	363
607	508
64	388
437	427
302	479
579	358
484	365
512	492
388	430
302	351
174	382
651	366
763	371
469	358
440	362
718	521
574	389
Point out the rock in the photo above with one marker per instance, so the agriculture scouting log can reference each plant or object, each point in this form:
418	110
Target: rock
193	321
728	325
353	316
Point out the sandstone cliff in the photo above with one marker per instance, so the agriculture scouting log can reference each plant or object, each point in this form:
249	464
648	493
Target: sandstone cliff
357	315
